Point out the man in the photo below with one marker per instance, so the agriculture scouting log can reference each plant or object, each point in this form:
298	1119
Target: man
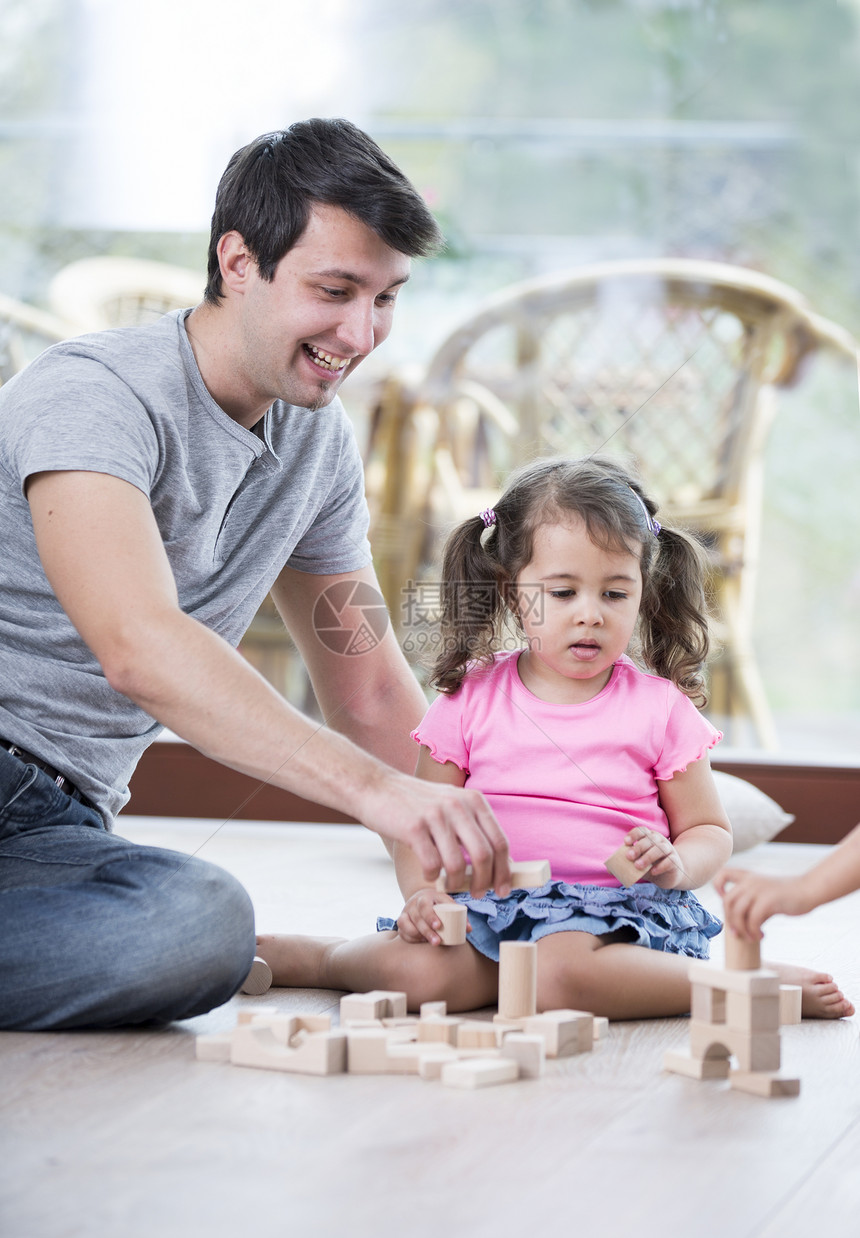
158	482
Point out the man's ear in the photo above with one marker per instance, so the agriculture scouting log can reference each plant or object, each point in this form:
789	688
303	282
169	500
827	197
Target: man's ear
235	261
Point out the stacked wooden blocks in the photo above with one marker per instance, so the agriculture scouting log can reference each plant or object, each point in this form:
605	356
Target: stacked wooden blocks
376	1036
737	1011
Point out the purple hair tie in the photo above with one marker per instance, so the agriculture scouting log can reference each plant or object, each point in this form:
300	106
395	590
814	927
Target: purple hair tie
489	517
653	525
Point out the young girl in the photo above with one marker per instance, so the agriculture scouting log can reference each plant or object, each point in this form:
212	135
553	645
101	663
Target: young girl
577	750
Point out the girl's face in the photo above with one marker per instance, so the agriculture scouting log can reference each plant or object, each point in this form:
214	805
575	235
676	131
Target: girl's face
578	606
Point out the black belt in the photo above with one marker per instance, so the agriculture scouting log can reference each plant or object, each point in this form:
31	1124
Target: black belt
64	783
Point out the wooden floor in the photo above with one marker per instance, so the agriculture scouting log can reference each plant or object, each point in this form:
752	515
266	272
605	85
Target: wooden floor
125	1135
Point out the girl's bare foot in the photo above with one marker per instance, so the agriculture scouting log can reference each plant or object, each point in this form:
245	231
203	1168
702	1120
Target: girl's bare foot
822	998
296	962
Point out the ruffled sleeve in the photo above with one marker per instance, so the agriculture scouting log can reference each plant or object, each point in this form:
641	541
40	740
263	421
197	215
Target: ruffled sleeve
687	738
441	730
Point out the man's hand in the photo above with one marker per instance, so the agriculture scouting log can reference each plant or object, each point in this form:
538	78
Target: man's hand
438	822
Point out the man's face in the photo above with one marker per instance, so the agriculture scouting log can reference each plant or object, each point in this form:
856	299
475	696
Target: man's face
330	304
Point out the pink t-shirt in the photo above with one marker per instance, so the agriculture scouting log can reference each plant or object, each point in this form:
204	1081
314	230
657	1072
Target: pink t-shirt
567	782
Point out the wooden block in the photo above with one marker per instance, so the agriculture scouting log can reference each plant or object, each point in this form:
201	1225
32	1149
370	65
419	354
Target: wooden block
624	869
440	1031
214	1047
479	1072
790	1001
565	1032
517	979
454	919
763	1083
509	1025
361	1006
403	1059
258	979
601	1027
430	1063
525	875
396	1006
742	955
696	1068
529	874
756	983
246	1014
529	1053
407	1020
476	1034
707	1003
753	1050
433	1010
753	1014
321	1053
367	1051
378	1004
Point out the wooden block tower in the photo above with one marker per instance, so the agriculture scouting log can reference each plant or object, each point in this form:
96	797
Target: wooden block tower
735	1011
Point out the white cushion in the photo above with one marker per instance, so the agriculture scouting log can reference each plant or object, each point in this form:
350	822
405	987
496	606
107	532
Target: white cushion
755	817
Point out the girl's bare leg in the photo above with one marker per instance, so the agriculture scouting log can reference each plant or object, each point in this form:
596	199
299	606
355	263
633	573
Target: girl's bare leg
625	981
458	975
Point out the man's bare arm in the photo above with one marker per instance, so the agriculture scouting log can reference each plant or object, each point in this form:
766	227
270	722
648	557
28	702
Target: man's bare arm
102	553
372	697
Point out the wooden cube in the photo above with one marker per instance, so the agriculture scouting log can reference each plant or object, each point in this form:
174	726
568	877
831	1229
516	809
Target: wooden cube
564	1032
529	1053
623	869
476	1034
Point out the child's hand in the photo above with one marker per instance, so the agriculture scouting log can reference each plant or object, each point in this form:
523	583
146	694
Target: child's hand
417	921
751	898
647	847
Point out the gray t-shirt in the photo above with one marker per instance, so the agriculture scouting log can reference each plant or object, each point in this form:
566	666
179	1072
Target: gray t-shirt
232	506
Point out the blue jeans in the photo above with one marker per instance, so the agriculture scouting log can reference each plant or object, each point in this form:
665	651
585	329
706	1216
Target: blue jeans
98	932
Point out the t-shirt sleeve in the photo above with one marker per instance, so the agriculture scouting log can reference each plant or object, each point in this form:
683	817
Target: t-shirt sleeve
688	736
441	730
336	540
74	414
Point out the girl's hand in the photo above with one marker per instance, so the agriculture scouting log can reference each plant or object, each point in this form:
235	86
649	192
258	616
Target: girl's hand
417	921
751	898
646	847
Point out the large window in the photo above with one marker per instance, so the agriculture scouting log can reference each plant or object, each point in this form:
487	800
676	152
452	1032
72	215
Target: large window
546	134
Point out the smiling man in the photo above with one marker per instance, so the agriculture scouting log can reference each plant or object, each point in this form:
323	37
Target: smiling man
159	482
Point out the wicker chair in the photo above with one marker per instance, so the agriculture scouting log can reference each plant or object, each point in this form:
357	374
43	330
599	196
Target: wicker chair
24	333
671	362
96	293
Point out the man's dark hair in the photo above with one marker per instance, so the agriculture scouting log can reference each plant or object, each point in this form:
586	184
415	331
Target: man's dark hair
270	186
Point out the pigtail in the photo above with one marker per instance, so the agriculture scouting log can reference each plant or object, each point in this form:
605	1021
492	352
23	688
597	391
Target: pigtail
472	603
673	629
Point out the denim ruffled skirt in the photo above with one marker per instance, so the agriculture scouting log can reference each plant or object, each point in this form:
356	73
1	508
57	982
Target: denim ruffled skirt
670	920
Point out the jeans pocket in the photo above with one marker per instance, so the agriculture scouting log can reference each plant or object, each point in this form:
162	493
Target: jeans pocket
12	790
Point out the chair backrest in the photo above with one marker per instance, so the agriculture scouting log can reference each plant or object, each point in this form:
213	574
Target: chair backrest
662	360
97	293
25	332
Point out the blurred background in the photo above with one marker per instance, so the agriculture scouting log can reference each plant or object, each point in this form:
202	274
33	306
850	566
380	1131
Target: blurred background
546	135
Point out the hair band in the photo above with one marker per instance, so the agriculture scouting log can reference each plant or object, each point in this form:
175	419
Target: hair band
653	525
488	516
